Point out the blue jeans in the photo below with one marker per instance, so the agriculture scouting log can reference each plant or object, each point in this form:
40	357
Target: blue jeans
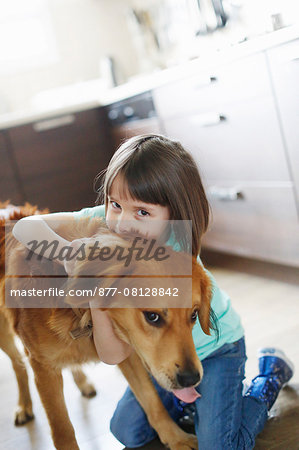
224	419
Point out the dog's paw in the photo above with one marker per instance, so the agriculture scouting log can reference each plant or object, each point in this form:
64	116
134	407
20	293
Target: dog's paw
23	415
186	442
88	390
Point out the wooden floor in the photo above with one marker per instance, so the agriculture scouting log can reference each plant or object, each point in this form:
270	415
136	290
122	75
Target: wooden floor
267	299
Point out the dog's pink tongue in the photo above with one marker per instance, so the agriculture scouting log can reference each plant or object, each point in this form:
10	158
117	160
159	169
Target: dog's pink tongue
187	395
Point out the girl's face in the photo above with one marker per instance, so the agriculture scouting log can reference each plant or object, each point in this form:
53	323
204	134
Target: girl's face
125	215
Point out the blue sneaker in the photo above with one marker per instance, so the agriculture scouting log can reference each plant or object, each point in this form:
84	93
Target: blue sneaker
273	361
275	370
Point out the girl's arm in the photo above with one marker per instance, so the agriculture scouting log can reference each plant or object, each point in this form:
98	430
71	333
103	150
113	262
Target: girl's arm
41	228
110	349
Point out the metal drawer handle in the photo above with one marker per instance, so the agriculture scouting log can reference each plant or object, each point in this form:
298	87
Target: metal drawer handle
295	59
226	194
208	119
51	124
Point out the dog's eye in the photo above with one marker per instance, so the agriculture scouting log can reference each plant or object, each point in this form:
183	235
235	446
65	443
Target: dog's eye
153	318
194	316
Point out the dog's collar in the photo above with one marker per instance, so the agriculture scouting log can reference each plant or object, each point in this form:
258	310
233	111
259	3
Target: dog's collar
79	332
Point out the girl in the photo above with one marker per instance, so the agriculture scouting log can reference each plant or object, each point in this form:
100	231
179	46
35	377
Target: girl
150	178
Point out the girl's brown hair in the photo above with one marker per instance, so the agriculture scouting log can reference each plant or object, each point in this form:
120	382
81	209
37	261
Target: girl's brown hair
160	171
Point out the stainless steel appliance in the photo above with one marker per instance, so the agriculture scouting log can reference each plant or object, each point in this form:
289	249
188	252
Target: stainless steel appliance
133	116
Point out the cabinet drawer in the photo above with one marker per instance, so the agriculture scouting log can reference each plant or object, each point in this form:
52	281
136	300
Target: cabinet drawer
246	145
284	66
240	80
260	223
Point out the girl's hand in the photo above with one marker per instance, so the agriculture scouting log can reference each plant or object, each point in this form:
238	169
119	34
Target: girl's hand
110	349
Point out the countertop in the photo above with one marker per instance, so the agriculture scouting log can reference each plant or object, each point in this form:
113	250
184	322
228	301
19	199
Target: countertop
143	83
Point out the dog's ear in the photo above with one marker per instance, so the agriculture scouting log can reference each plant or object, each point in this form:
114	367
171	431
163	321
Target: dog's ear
204	313
97	276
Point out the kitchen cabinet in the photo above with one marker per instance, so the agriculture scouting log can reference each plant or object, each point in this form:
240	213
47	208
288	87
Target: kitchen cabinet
10	188
254	220
212	87
58	158
284	69
242	143
230	125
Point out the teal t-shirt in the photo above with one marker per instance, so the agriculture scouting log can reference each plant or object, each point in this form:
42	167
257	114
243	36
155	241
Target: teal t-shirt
228	320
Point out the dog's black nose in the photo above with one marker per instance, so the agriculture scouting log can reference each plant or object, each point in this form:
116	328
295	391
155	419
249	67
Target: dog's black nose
187	379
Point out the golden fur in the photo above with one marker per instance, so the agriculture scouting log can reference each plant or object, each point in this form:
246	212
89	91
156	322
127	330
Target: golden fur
162	351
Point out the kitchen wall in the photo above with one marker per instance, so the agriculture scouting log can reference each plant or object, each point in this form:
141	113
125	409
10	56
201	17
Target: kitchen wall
255	17
184	31
84	31
255	14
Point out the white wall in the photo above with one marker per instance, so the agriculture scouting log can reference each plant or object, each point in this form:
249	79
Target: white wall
85	30
256	14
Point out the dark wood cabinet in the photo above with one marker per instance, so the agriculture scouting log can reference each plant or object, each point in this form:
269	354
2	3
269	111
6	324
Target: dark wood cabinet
58	158
10	188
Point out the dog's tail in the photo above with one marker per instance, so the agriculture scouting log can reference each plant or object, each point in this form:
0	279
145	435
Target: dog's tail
9	212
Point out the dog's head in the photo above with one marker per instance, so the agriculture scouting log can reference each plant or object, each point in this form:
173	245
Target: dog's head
158	327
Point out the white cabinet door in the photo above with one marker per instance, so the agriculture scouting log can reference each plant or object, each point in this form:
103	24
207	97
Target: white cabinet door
284	66
246	145
259	222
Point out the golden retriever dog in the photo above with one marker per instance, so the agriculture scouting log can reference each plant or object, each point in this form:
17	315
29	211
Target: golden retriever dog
59	337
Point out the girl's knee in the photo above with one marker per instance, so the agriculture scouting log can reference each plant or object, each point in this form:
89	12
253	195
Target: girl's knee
129	423
131	435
